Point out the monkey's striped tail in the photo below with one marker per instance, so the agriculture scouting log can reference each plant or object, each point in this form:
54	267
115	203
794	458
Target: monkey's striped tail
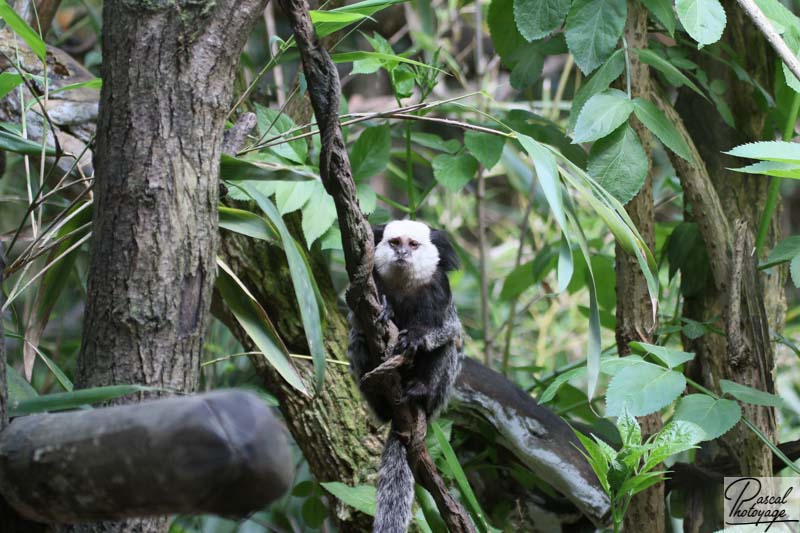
395	492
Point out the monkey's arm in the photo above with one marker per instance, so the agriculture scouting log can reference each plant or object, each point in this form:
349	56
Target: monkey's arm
430	338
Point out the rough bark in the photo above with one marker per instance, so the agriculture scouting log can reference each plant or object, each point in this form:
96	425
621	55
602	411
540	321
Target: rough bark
217	453
167	83
740	302
635	312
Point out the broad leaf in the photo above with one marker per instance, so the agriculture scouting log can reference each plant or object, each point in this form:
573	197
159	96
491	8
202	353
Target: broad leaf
246	223
8	82
593	29
292	195
663	13
538	18
703	20
454	171
370	153
643	389
360	497
597	82
319	214
602	114
485	147
715	416
668	356
747	394
629	430
619	164
677	436
794	271
503	29
785	250
792	39
657	122
271	122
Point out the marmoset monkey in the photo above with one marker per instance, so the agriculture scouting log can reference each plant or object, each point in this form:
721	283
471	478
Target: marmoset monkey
411	265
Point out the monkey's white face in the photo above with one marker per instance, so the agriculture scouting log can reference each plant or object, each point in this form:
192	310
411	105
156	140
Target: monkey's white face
406	255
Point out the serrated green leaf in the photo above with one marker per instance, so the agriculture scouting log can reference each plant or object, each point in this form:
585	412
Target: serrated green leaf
370	153
593	29
629	430
255	322
597	460
657	122
780	17
792	39
454	171
538	18
786	250
781	151
367	199
602	114
503	29
772	168
643	389
292	195
715	416
272	122
619	164
663	13
319	214
747	394
677	436
485	147
669	356
704	20
794	271
21	28
596	83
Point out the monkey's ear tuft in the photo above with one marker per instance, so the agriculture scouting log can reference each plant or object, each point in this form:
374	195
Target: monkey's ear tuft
448	259
377	231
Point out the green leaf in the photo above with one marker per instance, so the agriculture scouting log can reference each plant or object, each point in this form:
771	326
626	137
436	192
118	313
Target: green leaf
538	18
715	416
94	83
8	82
747	394
246	223
21	28
792	39
433	141
619	164
255	322
63	401
367	199
772	168
663	13
593	29
503	29
657	122
271	122
528	274
319	214
670	357
643	389
485	147
301	280
292	195
672	73
703	20
602	114
370	153
677	436
304	489
461	478
313	512
597	82
327	22
785	250
454	171
551	390
547	172
11	142
388	59
360	497
18	387
781	151
596	458
794	271
629	430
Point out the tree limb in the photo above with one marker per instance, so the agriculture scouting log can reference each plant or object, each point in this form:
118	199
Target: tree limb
773	38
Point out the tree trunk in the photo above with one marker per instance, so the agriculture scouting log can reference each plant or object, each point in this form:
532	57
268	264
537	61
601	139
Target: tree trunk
745	353
635	312
167	82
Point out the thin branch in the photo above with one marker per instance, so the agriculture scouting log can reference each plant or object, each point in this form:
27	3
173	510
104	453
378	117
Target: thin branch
772	37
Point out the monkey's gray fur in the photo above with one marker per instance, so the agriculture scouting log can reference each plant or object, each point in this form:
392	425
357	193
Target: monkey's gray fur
411	262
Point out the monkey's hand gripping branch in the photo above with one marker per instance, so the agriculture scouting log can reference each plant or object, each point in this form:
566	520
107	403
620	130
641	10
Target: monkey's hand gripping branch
357	240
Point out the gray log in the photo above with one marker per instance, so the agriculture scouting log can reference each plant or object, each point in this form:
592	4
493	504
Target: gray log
223	453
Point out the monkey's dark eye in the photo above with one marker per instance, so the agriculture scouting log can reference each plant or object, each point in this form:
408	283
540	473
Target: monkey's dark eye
413	245
394	242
